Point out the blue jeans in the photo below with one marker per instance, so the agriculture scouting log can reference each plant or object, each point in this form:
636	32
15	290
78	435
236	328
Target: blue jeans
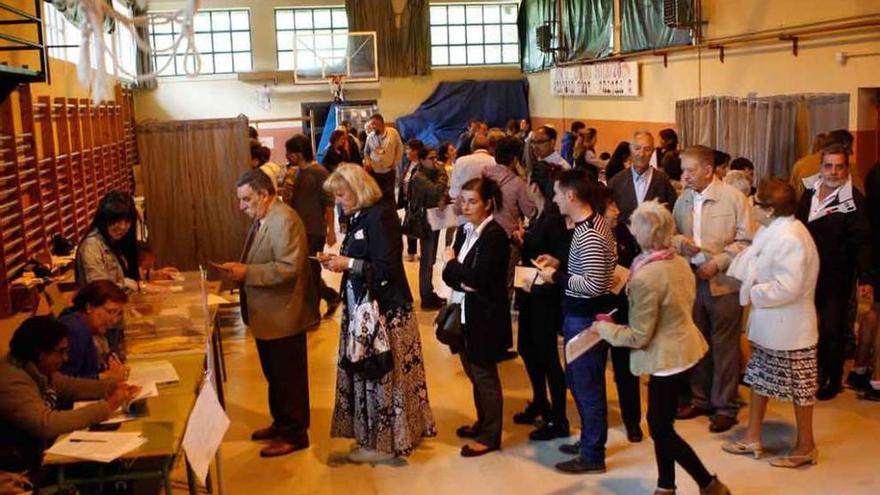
586	379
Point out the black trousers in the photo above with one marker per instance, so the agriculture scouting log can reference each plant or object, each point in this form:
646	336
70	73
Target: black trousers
412	245
387	183
286	368
540	321
426	266
833	312
325	292
670	448
488	401
627	387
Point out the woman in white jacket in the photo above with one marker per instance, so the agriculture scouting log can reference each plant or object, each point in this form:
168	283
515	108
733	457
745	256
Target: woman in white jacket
778	273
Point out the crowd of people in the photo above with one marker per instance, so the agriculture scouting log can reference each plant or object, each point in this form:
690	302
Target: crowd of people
654	251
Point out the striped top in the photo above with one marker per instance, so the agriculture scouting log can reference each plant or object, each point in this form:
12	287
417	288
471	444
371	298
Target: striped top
591	260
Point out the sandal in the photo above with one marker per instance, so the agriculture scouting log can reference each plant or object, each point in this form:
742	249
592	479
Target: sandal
740	448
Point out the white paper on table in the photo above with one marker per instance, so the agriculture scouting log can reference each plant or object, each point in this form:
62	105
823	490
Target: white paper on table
100	446
118	416
182	312
205	429
524	277
579	344
157	372
148	389
442	219
215	299
621	276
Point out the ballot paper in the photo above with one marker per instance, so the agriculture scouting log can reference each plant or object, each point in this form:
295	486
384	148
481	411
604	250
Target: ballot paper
205	429
621	277
99	446
148	389
579	344
214	299
156	372
524	277
443	218
118	416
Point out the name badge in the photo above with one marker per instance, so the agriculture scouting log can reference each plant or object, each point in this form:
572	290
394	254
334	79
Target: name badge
359	234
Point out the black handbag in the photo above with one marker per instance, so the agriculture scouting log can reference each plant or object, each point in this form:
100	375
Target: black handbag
447	326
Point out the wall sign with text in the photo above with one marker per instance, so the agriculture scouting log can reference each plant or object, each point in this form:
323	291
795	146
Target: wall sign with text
604	79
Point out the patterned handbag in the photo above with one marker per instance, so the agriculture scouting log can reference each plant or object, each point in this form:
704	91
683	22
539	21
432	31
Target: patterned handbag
366	347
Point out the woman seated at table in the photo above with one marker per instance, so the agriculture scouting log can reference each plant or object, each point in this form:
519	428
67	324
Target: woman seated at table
109	250
31	386
96	308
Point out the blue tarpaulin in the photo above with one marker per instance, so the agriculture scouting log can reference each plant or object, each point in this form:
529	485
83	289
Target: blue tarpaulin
329	127
444	115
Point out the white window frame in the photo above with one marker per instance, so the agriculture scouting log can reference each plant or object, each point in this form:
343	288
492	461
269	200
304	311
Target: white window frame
456	36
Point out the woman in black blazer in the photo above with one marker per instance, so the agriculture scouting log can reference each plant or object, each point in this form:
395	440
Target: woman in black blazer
540	311
476	271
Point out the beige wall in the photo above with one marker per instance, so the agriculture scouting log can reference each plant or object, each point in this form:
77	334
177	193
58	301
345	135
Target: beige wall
225	96
764	69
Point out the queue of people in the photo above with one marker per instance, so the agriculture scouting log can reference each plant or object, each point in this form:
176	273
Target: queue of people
686	234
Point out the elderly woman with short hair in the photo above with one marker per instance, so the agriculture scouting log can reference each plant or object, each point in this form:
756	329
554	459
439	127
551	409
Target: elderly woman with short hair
389	415
666	343
779	272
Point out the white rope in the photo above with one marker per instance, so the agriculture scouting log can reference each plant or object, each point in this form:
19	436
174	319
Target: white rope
92	14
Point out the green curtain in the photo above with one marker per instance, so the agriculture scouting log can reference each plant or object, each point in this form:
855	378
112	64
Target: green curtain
588	27
533	14
642	27
402	52
415	37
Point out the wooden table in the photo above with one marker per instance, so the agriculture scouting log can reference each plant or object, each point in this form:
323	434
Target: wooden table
188	337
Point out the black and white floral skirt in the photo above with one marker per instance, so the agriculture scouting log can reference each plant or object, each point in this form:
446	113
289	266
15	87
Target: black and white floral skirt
391	414
784	375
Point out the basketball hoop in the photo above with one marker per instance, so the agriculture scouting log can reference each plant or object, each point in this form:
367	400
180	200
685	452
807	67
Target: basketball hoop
91	25
337	82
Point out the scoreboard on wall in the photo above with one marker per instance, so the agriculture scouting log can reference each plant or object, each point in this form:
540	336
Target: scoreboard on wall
602	79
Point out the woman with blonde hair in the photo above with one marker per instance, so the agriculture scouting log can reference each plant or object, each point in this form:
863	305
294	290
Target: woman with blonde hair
386	412
666	342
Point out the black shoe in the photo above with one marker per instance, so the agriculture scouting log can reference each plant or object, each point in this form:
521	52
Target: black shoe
691	411
828	391
859	381
332	306
433	304
634	433
509	355
571	448
579	465
550	430
467	431
871	394
529	415
721	423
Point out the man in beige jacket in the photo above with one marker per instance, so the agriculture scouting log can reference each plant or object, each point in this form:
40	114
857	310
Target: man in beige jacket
278	303
713	223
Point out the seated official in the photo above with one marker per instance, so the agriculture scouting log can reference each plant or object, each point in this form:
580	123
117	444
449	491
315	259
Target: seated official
31	386
96	308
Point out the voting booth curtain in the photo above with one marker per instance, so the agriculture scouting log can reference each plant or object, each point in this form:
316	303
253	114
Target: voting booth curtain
772	132
642	27
190	168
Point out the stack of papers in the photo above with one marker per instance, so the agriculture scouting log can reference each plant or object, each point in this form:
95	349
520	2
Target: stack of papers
580	344
97	446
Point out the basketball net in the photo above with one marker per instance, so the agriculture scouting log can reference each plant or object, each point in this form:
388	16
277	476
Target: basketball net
91	25
336	87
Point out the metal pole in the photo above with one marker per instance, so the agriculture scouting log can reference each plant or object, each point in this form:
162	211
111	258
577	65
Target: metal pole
312	132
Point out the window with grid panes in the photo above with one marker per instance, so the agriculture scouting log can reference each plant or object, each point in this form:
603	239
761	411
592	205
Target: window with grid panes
306	36
222	37
474	34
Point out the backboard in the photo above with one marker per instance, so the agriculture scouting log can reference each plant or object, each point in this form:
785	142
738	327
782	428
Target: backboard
318	57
